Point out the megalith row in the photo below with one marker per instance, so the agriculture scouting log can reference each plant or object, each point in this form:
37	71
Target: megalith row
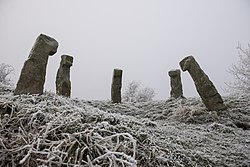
33	73
204	86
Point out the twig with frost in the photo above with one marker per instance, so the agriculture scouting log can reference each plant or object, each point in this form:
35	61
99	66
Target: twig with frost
126	136
27	155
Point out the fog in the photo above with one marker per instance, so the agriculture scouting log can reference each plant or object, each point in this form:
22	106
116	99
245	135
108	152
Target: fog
145	38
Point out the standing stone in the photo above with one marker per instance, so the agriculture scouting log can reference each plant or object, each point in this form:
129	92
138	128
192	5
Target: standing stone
32	78
175	83
116	86
63	84
209	95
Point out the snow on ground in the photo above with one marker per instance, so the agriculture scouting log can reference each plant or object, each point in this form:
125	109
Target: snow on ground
50	130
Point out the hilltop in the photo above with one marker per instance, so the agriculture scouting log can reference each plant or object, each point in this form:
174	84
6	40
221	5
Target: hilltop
50	130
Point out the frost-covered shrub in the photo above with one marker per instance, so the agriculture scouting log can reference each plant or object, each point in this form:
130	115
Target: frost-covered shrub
5	71
5	88
241	71
134	92
5	81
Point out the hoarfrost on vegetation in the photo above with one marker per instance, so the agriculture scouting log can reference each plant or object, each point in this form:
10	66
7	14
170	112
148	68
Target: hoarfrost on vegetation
50	130
136	92
240	71
5	71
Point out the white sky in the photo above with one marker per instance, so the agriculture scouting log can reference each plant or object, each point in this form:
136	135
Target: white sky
145	38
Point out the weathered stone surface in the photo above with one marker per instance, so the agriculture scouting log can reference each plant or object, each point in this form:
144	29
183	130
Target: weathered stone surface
206	89
175	83
63	84
116	86
32	77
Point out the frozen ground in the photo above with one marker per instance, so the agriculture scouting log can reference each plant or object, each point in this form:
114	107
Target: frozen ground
50	130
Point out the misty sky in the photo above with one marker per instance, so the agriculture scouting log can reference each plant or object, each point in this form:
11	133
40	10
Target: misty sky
145	38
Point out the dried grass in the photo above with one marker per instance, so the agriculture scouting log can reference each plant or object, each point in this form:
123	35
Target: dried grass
50	130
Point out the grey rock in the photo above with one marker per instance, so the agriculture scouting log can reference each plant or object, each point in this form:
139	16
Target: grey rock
206	89
32	77
63	84
175	83
116	86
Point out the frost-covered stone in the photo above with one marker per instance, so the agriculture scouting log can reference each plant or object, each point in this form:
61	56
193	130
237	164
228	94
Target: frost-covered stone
206	89
63	84
32	78
116	86
175	83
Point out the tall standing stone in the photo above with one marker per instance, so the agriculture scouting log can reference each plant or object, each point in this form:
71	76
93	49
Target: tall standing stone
175	83
116	86
32	77
63	84
206	89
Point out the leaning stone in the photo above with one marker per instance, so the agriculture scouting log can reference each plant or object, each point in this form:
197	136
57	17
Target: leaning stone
206	89
63	84
175	83
32	77
116	86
